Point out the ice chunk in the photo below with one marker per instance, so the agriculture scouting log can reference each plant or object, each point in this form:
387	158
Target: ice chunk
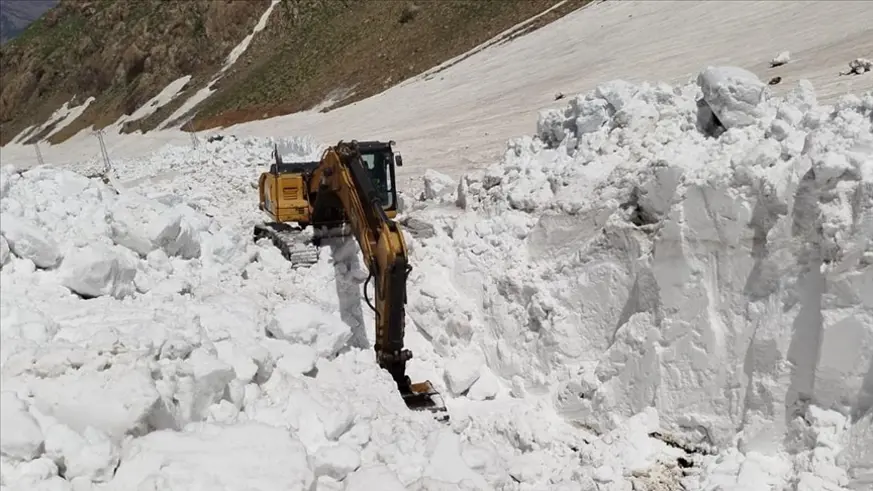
297	359
180	233
336	461
20	435
211	377
307	324
437	185
207	456
28	241
462	371
96	270
733	94
485	387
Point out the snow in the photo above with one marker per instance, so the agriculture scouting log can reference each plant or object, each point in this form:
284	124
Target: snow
475	105
637	296
22	437
662	287
59	120
162	98
241	48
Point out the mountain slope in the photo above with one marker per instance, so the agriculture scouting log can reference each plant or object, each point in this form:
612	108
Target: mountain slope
16	15
124	53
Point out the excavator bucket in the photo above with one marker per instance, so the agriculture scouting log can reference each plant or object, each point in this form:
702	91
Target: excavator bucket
423	397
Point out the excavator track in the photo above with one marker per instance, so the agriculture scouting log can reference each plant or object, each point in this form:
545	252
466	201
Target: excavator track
295	245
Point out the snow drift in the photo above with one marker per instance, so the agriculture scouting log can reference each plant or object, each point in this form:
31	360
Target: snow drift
663	285
624	258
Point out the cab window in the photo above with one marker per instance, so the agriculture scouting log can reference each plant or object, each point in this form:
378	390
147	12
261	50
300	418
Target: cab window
377	168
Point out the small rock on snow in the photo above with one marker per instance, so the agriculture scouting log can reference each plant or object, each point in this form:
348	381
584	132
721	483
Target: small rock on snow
780	59
20	434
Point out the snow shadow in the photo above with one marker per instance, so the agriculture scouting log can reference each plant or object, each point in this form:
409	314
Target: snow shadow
344	253
865	396
805	347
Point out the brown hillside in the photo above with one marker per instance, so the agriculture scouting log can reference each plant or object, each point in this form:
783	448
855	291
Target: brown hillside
124	52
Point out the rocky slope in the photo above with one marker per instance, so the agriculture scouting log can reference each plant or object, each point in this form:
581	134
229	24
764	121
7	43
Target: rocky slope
124	53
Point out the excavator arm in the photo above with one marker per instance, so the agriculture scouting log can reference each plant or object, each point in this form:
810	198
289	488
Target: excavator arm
341	181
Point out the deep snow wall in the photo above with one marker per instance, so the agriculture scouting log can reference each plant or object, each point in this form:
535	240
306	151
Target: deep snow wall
703	249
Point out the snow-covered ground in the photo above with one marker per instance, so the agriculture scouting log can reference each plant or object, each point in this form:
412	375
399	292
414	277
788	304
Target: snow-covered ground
635	297
459	118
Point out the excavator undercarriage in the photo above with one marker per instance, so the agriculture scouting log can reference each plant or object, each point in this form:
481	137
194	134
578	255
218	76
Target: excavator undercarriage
350	192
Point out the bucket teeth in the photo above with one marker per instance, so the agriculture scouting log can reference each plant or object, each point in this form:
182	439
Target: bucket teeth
423	397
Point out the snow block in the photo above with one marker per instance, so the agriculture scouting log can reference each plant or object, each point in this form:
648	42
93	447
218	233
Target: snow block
437	185
204	455
91	455
373	477
307	324
4	251
336	461
28	241
20	435
131	219
463	371
96	270
733	94
117	401
485	387
180	233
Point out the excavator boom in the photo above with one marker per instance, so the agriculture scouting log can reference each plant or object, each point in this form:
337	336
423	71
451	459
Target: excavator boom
350	191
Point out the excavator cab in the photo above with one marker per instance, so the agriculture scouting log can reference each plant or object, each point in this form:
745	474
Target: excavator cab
379	161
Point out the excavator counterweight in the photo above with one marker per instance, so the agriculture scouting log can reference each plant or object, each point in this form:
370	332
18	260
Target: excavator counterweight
350	191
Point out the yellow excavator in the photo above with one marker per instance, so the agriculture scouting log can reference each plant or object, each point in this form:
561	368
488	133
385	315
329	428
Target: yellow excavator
350	191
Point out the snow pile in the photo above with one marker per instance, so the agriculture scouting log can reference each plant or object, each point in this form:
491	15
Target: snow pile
665	286
705	250
147	342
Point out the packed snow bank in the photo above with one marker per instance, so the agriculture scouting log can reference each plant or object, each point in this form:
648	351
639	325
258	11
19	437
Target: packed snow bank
628	257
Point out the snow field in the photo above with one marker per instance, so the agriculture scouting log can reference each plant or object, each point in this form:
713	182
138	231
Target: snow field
649	291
